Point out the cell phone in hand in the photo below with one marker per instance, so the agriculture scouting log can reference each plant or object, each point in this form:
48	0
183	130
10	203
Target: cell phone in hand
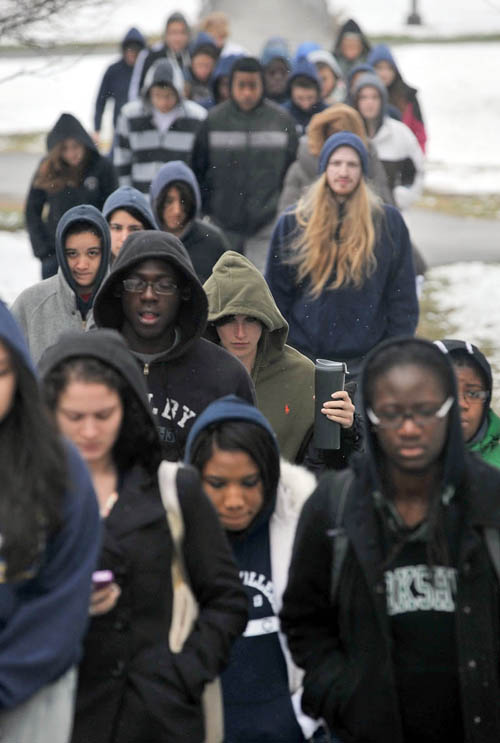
102	579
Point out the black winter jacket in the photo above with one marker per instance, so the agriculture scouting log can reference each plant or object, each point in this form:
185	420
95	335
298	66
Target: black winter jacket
132	689
98	182
346	646
240	159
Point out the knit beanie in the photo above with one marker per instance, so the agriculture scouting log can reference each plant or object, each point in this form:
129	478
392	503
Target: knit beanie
343	139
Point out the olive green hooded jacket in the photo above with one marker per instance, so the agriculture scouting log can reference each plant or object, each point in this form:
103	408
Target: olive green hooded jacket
283	377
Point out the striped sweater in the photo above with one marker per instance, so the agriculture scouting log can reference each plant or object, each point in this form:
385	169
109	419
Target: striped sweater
142	148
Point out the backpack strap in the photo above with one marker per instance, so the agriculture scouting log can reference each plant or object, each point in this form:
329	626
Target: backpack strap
492	539
340	538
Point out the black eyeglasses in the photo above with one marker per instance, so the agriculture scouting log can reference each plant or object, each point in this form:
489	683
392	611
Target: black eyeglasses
423	417
160	286
472	397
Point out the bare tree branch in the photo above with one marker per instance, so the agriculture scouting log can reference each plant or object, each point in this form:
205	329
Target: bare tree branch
20	20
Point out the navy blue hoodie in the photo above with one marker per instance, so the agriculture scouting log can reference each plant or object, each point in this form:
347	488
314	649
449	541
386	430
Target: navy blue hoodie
43	618
257	704
204	242
116	80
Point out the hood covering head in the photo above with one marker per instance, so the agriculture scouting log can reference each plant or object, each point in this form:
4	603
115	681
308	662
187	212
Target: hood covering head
420	352
228	408
204	44
127	198
364	67
334	119
177	17
133	37
343	139
68	127
304	49
304	68
143	246
175	170
382	53
237	287
476	359
352	28
223	69
85	213
162	73
107	346
369	80
324	57
12	336
276	48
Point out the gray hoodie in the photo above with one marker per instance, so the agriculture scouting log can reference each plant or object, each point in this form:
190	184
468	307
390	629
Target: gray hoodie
51	307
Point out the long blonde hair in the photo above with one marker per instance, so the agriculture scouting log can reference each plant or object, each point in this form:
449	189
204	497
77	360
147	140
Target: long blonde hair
316	252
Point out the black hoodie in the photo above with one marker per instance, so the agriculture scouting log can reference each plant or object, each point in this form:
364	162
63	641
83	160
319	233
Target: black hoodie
131	687
352	652
99	180
183	380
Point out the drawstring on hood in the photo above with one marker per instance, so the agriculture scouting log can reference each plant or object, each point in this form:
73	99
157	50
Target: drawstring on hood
479	360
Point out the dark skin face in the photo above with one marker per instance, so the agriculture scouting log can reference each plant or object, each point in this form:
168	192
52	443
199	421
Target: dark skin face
411	452
276	77
246	89
150	318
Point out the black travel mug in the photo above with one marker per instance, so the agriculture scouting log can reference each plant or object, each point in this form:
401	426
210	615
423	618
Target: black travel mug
329	377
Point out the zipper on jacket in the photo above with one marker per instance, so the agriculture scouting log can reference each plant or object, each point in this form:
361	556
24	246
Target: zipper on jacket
146	370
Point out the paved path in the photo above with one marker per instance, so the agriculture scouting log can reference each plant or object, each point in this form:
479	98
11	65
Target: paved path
252	23
441	238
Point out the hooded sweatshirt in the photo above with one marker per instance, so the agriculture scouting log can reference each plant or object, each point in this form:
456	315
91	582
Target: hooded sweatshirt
486	440
98	181
204	242
401	95
346	65
148	138
47	309
321	56
44	617
116	80
421	662
283	377
127	198
261	677
184	379
276	48
128	679
397	148
222	69
304	68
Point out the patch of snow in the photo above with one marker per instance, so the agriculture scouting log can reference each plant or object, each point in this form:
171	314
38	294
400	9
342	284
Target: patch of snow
439	17
20	268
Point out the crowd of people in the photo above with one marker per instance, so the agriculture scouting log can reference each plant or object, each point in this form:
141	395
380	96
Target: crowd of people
181	562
